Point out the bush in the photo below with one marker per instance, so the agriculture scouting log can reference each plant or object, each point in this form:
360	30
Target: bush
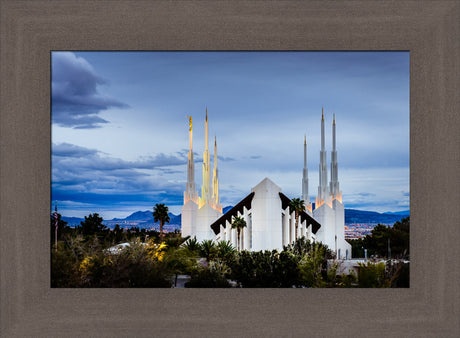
372	275
207	278
398	273
64	272
267	269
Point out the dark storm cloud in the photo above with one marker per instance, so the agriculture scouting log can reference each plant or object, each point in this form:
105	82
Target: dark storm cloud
75	98
70	157
78	171
71	150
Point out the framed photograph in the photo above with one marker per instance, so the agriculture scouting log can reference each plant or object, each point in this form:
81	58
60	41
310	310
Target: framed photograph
139	185
34	33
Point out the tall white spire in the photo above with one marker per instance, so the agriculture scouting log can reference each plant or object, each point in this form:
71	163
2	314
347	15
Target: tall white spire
305	196
206	186
334	184
215	180
323	186
206	130
190	193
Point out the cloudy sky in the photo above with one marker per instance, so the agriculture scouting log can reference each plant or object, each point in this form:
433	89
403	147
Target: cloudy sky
120	131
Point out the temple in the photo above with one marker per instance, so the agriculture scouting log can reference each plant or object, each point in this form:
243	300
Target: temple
270	221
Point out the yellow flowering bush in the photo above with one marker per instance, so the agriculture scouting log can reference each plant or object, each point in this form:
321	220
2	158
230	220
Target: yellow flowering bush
156	251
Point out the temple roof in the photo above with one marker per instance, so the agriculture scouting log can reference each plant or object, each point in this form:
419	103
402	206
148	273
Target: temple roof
246	202
285	201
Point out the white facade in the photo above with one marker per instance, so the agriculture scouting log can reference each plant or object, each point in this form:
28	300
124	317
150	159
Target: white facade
266	216
270	224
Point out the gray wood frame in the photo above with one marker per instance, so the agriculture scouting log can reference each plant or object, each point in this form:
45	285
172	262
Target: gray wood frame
31	29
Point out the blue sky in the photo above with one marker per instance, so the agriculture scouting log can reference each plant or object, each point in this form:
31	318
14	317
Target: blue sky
120	132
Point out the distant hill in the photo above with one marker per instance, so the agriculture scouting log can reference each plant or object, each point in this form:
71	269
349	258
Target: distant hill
361	216
402	213
227	209
140	219
71	221
144	219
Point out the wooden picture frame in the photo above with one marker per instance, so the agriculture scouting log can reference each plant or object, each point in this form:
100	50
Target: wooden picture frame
30	30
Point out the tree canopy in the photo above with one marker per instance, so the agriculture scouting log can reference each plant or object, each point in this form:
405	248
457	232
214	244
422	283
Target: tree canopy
382	237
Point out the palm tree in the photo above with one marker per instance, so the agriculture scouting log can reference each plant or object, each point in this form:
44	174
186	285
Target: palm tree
238	224
208	249
225	250
298	206
192	245
160	214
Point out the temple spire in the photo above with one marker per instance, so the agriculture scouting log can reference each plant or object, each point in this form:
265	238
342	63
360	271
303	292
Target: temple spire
215	152
206	187
305	151
190	192
333	134
323	142
334	184
323	184
215	180
206	130
305	196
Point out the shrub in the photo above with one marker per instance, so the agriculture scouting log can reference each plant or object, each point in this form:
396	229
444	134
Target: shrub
372	275
204	277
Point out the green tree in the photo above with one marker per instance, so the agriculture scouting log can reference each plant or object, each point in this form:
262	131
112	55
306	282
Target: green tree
312	266
298	206
238	223
372	275
92	225
381	237
192	245
269	269
160	214
64	267
207	278
180	260
118	234
357	247
225	251
208	249
400	236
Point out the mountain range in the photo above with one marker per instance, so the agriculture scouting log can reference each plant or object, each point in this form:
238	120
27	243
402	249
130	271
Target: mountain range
144	219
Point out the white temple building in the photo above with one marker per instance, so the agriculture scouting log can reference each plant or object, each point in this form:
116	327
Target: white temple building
270	222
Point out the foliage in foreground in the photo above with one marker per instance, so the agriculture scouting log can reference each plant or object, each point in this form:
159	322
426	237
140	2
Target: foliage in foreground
84	260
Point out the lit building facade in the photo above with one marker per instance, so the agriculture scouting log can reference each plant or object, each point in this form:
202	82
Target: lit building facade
270	222
198	212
